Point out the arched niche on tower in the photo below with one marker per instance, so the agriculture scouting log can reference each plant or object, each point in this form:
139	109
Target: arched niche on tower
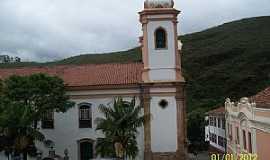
161	38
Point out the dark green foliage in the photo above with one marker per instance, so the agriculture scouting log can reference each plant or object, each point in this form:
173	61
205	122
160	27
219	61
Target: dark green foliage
232	60
120	127
195	127
23	101
39	91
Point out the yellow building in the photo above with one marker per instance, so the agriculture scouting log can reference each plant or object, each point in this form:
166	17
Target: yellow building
248	126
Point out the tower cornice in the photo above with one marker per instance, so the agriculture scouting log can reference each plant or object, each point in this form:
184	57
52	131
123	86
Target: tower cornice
147	14
159	11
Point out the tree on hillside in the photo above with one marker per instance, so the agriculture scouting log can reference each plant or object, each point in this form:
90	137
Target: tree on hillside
195	129
23	102
120	128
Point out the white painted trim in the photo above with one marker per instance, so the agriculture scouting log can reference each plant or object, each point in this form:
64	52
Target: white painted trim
261	109
104	92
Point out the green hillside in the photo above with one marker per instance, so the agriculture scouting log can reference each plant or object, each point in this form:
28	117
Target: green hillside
231	60
132	55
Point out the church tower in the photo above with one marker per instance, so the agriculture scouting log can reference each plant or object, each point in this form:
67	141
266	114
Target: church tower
163	83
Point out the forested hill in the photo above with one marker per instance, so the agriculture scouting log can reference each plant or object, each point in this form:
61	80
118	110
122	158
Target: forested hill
231	60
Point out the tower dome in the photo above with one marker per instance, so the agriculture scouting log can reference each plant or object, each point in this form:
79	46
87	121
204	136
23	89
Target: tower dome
158	4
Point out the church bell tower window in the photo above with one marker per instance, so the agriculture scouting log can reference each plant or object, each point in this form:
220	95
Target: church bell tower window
160	38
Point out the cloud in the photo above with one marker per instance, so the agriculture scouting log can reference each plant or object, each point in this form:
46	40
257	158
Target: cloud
46	30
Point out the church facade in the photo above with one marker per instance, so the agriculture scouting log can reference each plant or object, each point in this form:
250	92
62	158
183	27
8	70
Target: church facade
155	81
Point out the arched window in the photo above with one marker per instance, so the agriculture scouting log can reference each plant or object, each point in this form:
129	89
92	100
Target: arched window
86	149
85	116
160	38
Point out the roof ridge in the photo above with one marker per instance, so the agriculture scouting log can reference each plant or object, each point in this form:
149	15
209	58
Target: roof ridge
68	65
86	74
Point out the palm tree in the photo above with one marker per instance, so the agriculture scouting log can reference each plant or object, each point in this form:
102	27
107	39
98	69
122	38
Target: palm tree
120	128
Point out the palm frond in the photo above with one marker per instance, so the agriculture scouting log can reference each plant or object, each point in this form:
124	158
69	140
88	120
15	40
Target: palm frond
120	126
105	148
35	134
106	111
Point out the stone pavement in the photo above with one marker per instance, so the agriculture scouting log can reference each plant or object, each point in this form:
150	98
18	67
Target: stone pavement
200	156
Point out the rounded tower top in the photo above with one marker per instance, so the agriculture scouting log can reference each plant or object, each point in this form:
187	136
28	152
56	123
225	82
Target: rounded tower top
158	4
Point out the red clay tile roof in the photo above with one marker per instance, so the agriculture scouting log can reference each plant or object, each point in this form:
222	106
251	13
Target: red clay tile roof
86	75
262	99
220	110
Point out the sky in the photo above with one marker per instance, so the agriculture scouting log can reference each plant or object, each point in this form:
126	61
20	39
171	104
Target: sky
46	30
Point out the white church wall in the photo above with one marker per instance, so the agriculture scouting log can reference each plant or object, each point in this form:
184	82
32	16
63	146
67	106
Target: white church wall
67	133
104	93
162	74
4	157
163	125
162	90
161	61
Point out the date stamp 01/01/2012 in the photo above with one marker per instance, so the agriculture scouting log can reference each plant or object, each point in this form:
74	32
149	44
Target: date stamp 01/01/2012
234	157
